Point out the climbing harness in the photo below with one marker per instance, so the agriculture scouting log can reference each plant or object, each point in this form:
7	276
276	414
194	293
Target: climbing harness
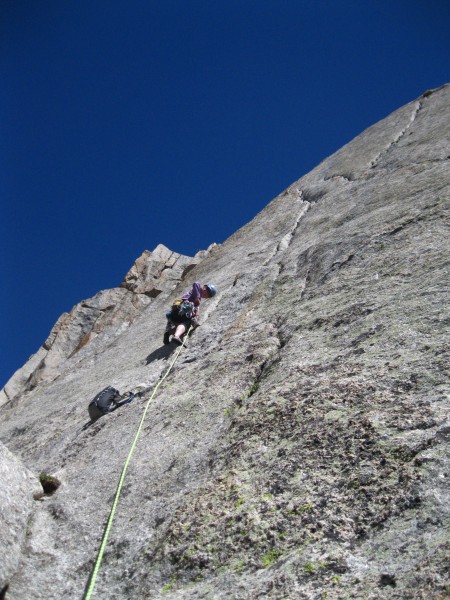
93	577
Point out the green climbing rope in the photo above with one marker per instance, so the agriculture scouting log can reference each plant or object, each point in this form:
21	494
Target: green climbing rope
92	579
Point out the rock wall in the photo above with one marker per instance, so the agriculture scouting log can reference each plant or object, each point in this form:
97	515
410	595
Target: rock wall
299	449
101	318
19	491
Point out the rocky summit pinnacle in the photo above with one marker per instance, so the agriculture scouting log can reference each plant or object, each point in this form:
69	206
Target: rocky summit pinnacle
299	447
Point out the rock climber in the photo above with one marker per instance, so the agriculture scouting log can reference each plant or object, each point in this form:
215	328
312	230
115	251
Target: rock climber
184	313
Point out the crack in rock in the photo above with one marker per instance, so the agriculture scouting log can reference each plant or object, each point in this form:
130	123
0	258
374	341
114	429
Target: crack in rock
417	108
345	178
285	242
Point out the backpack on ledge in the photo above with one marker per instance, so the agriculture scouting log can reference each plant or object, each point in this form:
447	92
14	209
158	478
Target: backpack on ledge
104	402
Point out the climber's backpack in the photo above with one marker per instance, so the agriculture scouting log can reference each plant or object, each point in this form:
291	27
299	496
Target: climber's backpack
104	402
182	309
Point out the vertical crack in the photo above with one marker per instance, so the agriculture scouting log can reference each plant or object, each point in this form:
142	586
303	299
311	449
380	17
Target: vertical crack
286	240
417	107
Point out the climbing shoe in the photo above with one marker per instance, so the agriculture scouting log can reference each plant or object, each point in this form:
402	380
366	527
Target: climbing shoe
176	341
166	338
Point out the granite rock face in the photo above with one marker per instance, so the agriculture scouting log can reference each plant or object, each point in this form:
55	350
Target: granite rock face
18	493
299	447
100	318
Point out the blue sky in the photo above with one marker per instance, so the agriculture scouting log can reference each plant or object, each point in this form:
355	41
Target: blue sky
127	124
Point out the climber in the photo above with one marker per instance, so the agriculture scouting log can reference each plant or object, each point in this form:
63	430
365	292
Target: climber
184	313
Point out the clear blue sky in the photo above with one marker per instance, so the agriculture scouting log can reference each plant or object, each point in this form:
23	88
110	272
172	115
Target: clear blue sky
127	124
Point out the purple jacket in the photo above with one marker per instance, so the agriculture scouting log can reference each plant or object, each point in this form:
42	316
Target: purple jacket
194	295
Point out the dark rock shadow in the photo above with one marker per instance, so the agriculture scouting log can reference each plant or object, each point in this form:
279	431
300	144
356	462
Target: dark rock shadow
159	353
85	426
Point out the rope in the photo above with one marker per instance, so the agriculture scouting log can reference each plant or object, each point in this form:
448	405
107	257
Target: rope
92	579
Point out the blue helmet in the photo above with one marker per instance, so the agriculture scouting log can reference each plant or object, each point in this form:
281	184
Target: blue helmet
211	288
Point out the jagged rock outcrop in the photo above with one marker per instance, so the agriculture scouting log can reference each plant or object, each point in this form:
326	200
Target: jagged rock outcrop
160	270
299	449
104	316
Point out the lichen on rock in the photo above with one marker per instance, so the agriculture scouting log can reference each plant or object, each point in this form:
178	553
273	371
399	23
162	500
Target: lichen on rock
299	447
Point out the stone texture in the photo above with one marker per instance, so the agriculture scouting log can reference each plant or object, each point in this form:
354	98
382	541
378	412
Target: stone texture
104	316
299	449
153	272
17	491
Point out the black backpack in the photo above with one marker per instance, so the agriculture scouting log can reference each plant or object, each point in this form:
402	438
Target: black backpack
182	309
104	402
